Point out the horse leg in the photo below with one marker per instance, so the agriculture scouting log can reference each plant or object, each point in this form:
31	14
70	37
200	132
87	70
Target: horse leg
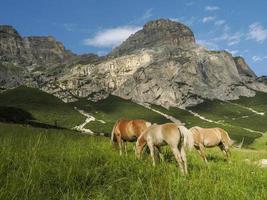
160	153
151	149
178	158
201	151
183	156
119	140
125	147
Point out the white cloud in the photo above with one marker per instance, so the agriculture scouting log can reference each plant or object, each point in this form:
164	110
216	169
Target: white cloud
185	20
257	32
111	37
208	19
233	52
143	18
211	8
230	38
69	26
208	44
219	22
190	3
147	14
259	58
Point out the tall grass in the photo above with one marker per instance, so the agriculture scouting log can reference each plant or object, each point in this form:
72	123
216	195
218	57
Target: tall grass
58	164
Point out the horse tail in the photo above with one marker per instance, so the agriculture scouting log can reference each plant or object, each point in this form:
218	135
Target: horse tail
181	142
113	131
188	137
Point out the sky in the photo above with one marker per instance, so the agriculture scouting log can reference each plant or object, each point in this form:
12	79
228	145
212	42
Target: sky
97	26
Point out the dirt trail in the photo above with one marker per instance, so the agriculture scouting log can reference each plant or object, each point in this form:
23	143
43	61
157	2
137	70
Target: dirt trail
89	118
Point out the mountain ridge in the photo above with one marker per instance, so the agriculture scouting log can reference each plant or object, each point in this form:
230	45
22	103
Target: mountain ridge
160	64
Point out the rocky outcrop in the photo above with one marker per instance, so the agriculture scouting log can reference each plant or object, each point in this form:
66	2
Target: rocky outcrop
243	68
31	51
20	56
160	64
157	33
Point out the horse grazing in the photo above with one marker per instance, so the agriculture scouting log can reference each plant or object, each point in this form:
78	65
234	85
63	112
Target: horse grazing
165	134
127	131
211	137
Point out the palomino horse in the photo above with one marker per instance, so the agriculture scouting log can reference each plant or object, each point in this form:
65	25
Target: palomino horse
165	134
211	137
127	131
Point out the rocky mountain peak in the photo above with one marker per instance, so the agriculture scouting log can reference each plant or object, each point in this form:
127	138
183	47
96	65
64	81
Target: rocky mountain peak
243	67
8	30
42	51
157	33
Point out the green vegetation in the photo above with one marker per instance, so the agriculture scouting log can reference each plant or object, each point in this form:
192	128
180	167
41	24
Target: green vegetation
236	132
38	106
233	116
260	143
114	108
40	163
59	164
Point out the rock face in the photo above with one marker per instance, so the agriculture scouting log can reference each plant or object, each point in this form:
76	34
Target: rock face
45	51
160	64
20	55
157	34
243	68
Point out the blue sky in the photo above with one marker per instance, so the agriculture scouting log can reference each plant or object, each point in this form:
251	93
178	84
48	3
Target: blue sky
97	26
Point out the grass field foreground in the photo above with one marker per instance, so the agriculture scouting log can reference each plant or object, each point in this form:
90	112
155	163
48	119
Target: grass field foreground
40	164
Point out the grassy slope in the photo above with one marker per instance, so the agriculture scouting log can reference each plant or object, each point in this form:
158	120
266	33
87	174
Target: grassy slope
43	107
59	164
114	108
40	163
236	132
236	117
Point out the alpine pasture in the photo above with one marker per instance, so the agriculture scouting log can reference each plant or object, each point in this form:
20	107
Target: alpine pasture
41	157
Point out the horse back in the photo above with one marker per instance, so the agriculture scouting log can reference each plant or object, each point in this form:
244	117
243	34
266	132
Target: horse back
208	137
131	129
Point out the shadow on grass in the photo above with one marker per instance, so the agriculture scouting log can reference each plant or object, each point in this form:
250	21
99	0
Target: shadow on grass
20	116
213	158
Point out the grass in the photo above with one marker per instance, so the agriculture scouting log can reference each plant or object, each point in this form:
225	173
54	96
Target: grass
236	132
234	114
40	163
114	108
230	115
60	164
39	106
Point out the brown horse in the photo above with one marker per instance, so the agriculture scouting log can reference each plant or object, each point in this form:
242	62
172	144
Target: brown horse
127	131
211	137
165	134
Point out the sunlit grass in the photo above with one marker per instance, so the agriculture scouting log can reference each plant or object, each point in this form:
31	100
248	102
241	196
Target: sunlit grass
59	164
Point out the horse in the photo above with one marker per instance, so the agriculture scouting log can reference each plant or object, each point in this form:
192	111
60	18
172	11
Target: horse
211	137
166	134
125	130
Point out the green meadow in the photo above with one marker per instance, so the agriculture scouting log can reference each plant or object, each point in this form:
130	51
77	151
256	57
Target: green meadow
42	158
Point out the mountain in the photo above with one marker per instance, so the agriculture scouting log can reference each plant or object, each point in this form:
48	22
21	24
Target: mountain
20	55
161	64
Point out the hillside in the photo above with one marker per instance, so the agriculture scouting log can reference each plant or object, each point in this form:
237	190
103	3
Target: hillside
24	105
47	162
